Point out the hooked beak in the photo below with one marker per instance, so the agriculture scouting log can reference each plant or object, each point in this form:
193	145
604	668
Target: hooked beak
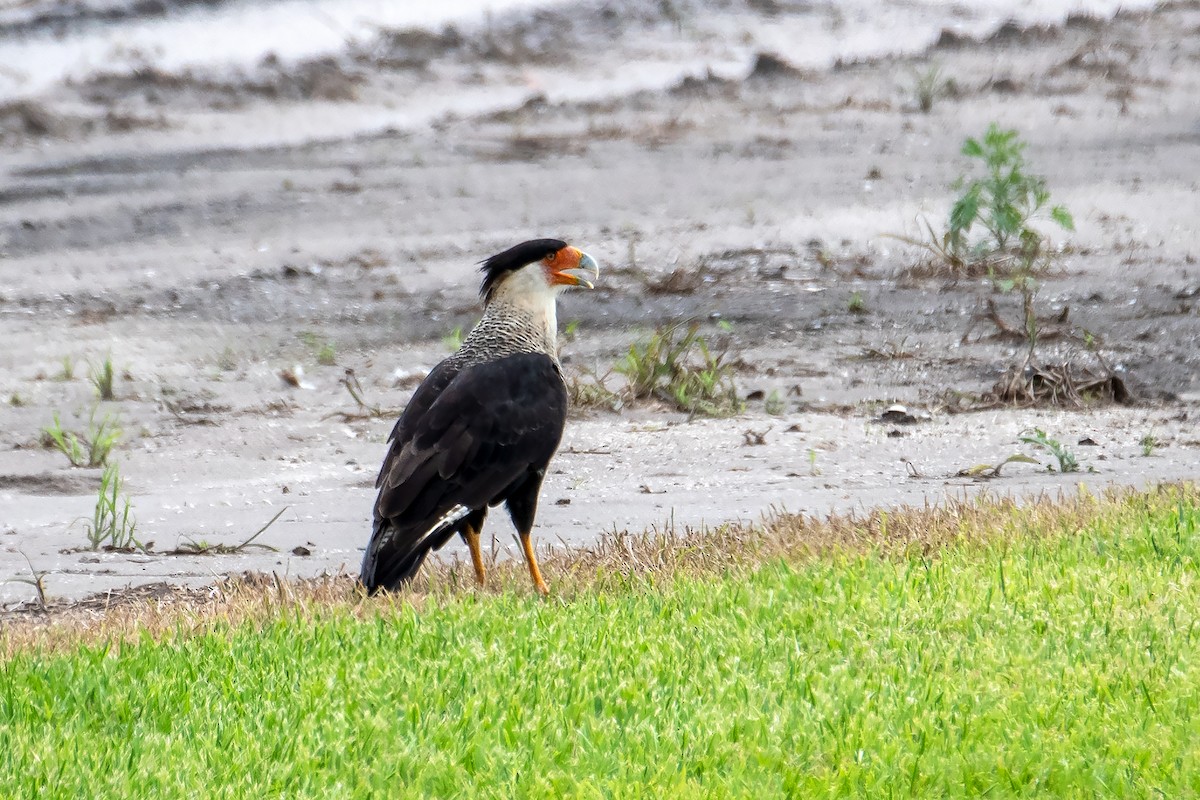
583	264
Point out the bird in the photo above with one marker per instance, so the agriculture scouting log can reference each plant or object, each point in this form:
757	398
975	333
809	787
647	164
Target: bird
482	426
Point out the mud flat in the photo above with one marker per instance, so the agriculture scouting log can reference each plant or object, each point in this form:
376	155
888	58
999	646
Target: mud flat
211	228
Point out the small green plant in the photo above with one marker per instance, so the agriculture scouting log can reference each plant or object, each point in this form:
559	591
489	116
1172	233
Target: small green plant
1149	443
929	85
774	404
1066	459
676	365
1004	201
68	443
68	369
89	449
651	364
102	436
813	469
15	400
112	524
323	351
856	305
454	339
101	377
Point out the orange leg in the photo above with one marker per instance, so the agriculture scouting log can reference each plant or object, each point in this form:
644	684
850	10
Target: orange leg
531	560
472	537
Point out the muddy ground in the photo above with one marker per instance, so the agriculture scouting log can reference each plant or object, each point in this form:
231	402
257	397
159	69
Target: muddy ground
211	233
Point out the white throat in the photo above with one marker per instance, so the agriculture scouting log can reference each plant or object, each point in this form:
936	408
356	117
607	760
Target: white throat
525	306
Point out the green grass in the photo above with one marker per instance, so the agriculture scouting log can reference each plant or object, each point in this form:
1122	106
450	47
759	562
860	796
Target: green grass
68	369
101	377
1007	203
323	350
113	523
1005	200
90	448
1060	662
327	355
675	364
856	304
1062	454
930	84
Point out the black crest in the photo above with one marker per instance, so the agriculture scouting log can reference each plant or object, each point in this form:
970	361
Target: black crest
513	259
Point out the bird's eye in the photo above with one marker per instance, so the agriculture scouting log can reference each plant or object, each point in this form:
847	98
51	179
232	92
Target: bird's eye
549	259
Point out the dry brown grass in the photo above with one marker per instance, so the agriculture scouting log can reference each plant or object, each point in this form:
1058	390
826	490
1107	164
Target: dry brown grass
619	562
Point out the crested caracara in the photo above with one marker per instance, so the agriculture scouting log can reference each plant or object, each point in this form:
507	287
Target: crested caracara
481	428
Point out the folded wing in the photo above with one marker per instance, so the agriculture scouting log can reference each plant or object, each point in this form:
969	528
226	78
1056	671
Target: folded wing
469	437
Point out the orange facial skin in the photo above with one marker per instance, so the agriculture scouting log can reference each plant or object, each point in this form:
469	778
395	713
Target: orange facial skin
560	263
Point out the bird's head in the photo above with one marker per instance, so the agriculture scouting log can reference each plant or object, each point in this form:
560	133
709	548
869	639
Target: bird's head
537	267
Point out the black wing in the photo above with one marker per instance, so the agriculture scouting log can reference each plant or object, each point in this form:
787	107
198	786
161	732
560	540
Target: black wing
465	441
430	389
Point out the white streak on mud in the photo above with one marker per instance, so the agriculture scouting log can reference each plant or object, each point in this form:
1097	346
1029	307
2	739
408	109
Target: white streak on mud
233	36
238	36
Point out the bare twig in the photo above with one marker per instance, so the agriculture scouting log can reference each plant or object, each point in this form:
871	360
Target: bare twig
37	582
365	409
193	548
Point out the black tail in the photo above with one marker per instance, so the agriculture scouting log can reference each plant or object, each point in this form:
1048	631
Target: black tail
394	555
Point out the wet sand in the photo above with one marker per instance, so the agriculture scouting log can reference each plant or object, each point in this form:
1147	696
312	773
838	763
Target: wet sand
211	231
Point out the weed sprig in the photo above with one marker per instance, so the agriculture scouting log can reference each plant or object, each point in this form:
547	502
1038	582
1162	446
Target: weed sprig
112	524
1065	458
1004	202
101	377
929	85
323	350
676	365
89	449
